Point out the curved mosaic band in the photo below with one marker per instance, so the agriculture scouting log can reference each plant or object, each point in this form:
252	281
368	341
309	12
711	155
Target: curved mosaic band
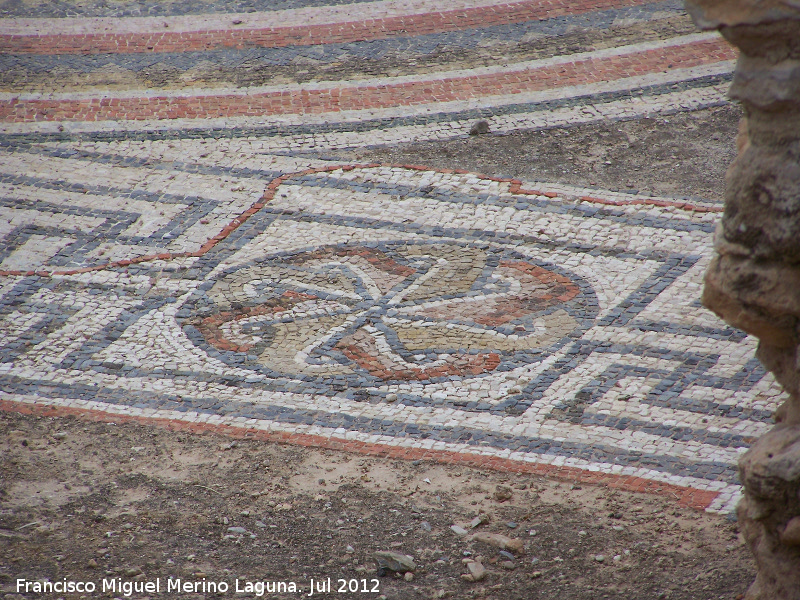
253	30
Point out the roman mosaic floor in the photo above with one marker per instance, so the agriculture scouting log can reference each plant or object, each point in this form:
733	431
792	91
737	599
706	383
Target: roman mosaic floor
181	245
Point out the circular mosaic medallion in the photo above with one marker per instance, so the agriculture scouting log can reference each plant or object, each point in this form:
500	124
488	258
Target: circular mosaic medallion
393	311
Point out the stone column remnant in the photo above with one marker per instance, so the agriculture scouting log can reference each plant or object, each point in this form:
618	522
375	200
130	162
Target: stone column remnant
754	280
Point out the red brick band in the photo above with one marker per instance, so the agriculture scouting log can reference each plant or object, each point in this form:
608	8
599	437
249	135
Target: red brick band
335	99
329	33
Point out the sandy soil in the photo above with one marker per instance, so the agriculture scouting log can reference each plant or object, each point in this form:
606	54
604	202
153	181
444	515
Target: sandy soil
87	501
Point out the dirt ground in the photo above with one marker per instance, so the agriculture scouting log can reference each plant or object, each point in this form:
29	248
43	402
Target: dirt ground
683	155
88	501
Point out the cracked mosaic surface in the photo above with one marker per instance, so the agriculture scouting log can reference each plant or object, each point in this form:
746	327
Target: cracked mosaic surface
178	244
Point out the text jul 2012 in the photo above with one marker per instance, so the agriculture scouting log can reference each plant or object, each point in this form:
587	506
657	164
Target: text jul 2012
205	586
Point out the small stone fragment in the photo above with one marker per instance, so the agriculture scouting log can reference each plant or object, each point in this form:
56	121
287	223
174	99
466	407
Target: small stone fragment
237	530
409	576
503	493
393	561
479	127
479	520
477	572
458	530
599	558
500	541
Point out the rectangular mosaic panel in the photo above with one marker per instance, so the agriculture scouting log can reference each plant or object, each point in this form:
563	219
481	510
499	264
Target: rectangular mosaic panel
419	313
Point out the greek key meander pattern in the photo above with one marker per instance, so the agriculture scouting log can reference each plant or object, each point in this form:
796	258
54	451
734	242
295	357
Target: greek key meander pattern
182	246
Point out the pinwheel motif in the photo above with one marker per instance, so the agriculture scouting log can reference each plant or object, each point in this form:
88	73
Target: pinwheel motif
391	311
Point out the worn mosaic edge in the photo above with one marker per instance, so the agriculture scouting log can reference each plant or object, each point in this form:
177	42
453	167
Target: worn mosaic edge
239	427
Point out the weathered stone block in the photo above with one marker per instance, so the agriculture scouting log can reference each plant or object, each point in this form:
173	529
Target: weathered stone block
754	282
